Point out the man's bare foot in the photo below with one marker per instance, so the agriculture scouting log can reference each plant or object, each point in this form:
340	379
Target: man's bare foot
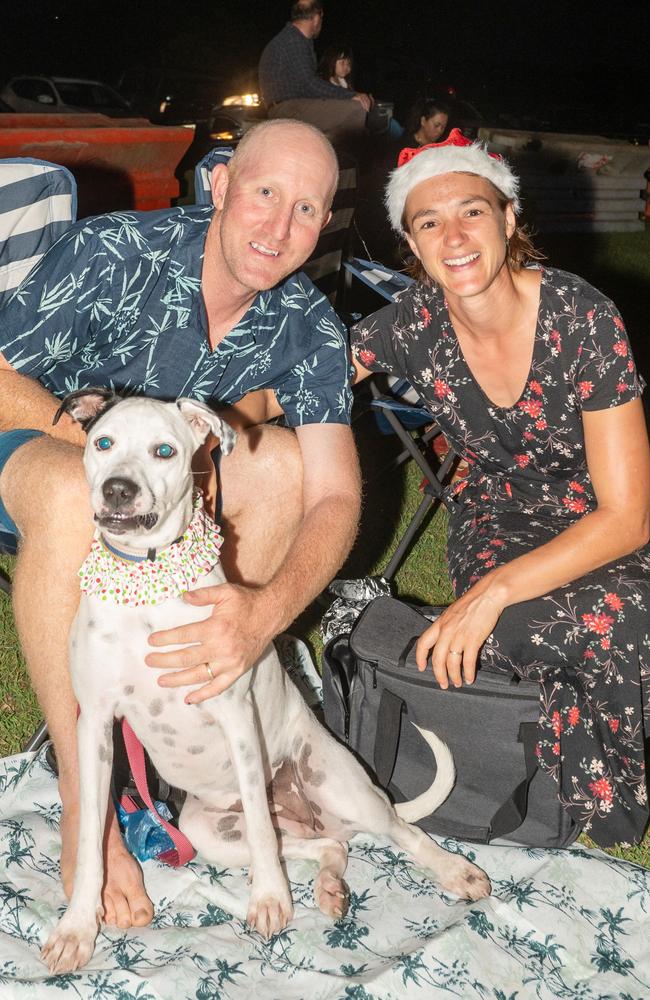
125	901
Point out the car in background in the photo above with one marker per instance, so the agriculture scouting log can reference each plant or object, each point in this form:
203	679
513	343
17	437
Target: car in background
63	95
171	97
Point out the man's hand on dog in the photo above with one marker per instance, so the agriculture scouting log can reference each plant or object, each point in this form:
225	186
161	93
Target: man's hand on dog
231	640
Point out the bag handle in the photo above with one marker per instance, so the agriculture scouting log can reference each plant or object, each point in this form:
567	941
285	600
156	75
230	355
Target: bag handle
387	734
512	813
182	852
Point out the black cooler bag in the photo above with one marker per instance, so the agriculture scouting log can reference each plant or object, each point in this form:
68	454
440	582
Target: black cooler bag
373	692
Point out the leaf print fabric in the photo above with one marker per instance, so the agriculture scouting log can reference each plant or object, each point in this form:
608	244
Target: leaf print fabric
561	923
117	302
588	643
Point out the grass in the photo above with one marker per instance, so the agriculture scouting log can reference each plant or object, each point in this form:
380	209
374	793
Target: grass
619	264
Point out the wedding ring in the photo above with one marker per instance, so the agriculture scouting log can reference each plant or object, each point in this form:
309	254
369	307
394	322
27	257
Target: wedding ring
209	669
456	652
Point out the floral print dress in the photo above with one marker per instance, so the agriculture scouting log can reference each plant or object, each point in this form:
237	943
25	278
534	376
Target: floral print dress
588	643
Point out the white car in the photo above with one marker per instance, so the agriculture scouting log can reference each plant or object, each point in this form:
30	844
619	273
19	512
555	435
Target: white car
44	94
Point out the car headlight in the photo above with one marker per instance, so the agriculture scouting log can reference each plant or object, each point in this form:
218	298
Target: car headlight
243	100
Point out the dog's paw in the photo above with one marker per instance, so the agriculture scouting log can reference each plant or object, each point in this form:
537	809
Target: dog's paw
332	894
269	912
70	945
465	880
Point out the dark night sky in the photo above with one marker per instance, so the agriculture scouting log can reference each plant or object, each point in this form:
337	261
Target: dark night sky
516	53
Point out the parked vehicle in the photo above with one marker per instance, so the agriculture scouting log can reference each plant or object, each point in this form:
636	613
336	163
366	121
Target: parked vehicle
170	97
56	94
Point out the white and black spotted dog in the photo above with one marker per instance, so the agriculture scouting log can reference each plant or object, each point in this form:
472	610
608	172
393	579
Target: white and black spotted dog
264	779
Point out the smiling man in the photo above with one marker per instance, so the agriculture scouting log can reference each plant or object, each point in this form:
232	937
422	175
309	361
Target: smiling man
200	302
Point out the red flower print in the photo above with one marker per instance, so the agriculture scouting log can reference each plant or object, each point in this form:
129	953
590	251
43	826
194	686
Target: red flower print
541	425
620	348
367	357
614	724
573	715
528	436
497	542
600	623
426	315
614	602
483	555
585	389
556	723
532	407
618	322
508	489
557	339
490	563
576	506
535	387
576	487
440	388
605	643
556	749
602	789
522	461
590	314
621	387
630	365
589	654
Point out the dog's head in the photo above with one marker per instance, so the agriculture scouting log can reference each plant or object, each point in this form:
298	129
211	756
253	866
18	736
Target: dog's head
138	461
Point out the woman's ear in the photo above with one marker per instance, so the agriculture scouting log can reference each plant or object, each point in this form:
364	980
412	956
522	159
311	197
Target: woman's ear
411	242
510	220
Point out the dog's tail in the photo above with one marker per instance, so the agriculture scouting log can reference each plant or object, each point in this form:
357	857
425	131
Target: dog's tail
437	792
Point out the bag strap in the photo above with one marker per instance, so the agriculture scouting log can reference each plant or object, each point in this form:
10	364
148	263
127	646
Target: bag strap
182	852
512	813
387	734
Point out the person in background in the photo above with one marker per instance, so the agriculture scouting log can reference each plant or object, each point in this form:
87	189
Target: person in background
335	66
431	125
529	373
290	84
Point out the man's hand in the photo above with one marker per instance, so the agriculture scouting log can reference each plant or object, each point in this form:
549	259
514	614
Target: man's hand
231	640
365	100
457	636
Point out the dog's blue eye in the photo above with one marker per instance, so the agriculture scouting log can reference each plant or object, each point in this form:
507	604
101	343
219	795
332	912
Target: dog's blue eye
164	451
103	444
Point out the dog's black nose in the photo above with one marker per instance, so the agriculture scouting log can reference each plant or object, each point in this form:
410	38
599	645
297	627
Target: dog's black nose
118	492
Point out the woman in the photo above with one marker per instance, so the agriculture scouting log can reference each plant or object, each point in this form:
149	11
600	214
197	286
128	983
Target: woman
433	121
528	372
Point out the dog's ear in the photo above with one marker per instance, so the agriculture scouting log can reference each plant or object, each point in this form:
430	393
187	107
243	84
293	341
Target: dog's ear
85	405
202	420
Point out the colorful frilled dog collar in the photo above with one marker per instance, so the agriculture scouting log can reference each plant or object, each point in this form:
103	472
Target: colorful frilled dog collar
114	577
455	155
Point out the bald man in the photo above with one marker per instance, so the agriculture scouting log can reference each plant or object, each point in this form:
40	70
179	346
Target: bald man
200	302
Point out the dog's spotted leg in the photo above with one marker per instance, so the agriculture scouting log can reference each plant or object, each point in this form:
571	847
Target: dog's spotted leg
72	942
270	908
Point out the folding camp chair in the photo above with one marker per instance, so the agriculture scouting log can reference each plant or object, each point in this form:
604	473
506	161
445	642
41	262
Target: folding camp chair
399	409
324	265
38	202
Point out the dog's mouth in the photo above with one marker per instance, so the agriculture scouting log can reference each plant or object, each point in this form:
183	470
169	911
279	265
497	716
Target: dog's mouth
120	524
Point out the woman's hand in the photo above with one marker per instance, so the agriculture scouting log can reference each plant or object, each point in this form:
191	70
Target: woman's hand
458	634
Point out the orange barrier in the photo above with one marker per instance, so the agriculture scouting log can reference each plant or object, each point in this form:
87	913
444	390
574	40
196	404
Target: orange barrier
118	163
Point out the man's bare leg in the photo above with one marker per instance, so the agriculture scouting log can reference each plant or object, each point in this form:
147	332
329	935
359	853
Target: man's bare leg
44	490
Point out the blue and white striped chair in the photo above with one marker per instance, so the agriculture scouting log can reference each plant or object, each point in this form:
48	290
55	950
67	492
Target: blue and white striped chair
38	203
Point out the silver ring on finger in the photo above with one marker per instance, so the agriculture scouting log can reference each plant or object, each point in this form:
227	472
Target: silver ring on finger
456	652
209	669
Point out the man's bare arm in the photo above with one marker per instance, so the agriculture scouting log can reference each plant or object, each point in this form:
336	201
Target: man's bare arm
26	404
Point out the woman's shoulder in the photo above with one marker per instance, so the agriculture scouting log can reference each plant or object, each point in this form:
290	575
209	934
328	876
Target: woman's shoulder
566	285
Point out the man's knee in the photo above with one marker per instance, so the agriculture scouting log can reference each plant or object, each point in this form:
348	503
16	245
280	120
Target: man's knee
264	467
43	486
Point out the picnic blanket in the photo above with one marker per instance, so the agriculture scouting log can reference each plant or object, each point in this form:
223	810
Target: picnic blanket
560	924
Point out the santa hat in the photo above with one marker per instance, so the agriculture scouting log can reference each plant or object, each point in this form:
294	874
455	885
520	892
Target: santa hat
455	155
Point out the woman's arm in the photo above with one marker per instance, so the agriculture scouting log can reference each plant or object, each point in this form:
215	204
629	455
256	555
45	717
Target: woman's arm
618	459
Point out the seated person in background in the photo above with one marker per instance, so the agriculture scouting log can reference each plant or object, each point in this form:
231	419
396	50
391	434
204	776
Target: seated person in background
431	124
528	372
291	87
335	66
197	301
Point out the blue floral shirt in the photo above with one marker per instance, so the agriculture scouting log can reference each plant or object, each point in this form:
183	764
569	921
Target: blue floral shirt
117	302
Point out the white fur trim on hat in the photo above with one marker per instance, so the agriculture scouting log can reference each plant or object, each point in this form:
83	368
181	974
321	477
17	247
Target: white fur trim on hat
433	162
